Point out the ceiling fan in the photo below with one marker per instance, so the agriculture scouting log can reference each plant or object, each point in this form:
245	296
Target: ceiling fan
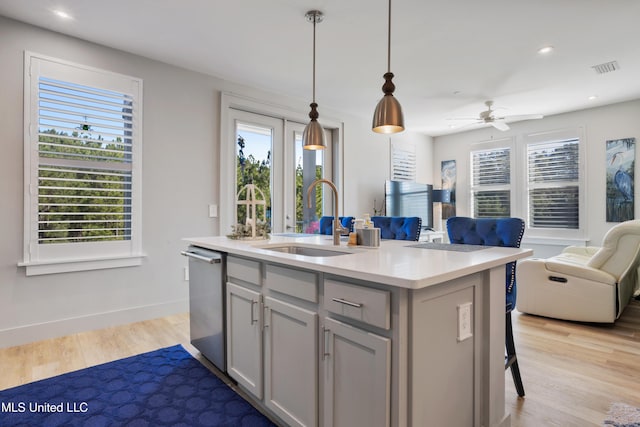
488	117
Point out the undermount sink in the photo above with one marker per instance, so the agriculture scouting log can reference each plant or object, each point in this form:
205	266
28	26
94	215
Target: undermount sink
305	250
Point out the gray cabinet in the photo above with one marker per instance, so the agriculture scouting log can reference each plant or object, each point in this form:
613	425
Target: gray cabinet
244	338
291	362
357	378
316	349
272	342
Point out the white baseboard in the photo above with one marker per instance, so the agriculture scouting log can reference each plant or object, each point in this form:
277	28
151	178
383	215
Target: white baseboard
58	328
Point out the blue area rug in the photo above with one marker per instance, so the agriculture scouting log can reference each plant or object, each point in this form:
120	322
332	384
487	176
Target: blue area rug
166	387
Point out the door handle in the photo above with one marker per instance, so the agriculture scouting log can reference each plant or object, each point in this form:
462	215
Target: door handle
325	343
265	316
210	260
253	319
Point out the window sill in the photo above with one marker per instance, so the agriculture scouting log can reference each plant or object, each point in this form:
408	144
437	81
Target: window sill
68	266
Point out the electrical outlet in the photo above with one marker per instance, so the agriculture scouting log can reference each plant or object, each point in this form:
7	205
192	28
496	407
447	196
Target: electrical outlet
464	321
186	274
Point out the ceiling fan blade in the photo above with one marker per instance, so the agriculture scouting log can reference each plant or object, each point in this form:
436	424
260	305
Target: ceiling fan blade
464	126
463	118
520	117
500	125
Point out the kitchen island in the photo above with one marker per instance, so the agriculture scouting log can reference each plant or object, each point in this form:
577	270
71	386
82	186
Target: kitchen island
405	334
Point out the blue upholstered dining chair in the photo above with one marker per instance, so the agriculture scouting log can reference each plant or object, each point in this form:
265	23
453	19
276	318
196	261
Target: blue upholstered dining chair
398	227
495	232
326	224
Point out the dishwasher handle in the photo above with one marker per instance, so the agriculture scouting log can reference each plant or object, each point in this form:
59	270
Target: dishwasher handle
210	260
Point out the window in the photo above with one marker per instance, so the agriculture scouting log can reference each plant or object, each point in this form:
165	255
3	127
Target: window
491	182
82	167
553	176
403	162
309	166
254	144
537	177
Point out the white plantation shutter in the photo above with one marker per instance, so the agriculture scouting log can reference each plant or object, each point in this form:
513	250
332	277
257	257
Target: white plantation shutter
491	182
554	184
403	162
82	164
85	163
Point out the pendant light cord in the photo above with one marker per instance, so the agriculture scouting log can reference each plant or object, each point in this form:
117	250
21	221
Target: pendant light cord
389	41
315	18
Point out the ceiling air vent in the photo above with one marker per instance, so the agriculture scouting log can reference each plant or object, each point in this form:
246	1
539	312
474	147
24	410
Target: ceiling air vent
607	67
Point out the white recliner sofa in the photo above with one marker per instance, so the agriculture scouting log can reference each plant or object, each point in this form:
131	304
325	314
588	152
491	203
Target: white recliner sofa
587	284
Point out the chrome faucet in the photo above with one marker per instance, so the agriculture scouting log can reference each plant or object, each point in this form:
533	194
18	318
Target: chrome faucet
337	226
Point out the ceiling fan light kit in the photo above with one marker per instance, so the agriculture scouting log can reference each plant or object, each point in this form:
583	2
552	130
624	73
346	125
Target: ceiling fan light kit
313	136
388	117
545	50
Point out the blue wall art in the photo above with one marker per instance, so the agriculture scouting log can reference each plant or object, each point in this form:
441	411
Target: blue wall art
448	174
621	159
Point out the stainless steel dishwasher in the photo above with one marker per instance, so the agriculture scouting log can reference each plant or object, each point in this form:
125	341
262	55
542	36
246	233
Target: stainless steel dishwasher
207	303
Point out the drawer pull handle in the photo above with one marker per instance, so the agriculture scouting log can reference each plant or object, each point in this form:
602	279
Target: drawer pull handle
345	302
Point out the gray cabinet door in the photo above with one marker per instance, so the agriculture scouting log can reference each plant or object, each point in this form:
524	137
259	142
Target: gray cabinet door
244	338
291	362
357	376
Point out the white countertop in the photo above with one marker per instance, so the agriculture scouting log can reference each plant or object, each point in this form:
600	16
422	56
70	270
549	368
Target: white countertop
393	263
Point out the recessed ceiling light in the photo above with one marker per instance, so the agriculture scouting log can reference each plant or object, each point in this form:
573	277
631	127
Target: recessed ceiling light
593	97
545	50
62	14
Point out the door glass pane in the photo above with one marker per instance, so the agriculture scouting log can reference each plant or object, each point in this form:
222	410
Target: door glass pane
308	168
253	166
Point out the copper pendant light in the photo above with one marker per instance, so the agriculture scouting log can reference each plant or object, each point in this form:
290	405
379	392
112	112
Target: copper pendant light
388	117
313	137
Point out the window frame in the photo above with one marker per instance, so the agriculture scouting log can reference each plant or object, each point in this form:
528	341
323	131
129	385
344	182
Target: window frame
41	258
551	137
520	182
494	145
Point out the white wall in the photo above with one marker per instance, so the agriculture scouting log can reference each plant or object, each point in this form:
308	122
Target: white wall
600	124
367	166
180	178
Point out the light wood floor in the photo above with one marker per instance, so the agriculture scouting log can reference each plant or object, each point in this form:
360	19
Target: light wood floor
572	372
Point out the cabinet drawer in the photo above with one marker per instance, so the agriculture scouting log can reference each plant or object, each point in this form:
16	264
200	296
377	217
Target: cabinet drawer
297	283
358	302
243	269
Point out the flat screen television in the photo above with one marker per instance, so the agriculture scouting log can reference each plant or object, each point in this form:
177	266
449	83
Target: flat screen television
405	198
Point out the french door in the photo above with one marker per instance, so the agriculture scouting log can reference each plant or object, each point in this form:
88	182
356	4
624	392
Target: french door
302	169
267	152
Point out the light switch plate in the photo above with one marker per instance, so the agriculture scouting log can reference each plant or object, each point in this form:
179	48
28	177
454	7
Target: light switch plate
464	321
213	211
